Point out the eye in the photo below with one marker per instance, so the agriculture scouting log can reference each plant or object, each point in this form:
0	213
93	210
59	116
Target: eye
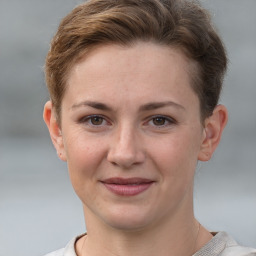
94	120
161	121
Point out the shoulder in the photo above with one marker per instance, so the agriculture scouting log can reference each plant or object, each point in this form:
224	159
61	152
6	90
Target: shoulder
238	250
224	245
69	250
232	248
56	253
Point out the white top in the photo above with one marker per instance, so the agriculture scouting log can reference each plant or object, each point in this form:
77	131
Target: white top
220	245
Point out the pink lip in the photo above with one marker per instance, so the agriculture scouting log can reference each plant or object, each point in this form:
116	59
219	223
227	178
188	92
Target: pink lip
127	187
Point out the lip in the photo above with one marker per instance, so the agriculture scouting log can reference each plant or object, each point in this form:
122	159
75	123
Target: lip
127	186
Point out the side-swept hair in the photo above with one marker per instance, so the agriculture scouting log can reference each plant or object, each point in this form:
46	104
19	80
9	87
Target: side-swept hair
176	23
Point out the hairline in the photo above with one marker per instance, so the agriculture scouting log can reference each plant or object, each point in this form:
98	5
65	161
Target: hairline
192	69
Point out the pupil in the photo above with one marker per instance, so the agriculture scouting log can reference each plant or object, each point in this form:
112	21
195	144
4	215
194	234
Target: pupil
97	120
159	121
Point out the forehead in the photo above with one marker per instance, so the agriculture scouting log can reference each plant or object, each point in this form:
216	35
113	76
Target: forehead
144	68
139	54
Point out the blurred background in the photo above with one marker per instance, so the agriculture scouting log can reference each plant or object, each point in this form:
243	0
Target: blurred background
39	211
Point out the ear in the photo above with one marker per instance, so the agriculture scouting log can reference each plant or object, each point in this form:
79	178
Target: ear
213	128
54	130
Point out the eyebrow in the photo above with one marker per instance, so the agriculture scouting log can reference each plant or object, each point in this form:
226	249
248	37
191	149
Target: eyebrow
93	104
156	105
146	107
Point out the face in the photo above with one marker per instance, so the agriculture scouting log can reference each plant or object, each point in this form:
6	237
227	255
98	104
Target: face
131	134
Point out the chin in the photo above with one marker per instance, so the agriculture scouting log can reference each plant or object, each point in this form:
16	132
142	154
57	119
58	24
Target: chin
127	219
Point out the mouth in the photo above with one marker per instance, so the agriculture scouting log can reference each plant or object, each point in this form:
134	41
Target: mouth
127	187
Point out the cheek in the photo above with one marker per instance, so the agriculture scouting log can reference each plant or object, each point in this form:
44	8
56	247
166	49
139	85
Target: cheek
83	158
177	154
81	149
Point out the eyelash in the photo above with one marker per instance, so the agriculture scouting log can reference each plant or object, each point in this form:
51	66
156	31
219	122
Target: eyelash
88	120
168	121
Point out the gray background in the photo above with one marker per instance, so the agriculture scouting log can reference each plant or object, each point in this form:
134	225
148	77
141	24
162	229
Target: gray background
39	211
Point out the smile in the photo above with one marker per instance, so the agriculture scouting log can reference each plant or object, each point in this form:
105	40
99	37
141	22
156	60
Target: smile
127	187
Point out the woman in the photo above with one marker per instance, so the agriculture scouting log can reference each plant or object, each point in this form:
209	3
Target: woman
134	88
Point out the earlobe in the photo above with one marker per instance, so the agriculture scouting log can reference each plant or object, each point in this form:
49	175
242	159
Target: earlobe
214	126
54	129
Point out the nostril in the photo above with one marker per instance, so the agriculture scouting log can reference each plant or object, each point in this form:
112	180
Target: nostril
125	160
124	149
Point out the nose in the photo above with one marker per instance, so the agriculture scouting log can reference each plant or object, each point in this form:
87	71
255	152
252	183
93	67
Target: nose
126	150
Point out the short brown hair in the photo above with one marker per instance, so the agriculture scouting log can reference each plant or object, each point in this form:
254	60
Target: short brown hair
177	23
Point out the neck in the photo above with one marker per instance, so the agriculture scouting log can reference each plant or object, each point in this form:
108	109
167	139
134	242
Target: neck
177	237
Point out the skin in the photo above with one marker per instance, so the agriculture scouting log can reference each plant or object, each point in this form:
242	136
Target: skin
131	112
